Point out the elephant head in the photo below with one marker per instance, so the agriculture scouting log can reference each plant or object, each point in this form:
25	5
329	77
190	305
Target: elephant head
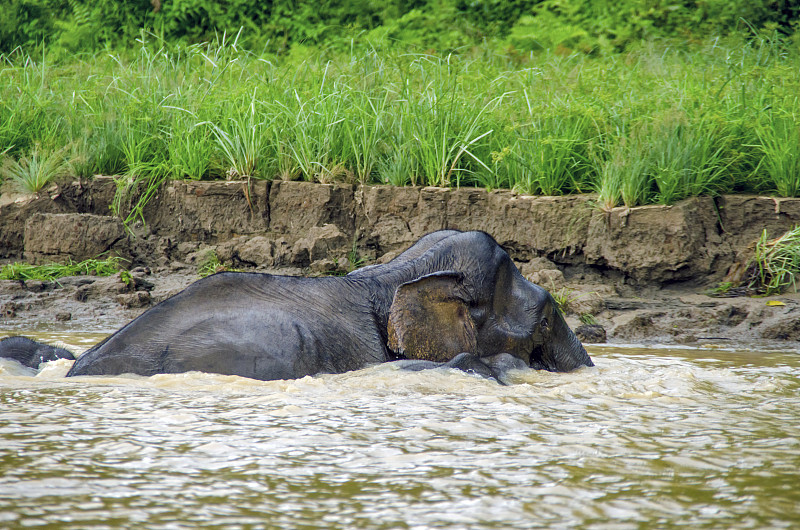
487	308
31	353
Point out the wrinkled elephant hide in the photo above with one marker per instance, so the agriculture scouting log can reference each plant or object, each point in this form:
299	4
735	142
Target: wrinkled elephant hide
451	293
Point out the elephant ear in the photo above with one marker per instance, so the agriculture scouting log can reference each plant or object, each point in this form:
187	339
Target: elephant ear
429	319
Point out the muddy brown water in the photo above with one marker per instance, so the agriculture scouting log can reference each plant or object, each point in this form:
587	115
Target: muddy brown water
649	438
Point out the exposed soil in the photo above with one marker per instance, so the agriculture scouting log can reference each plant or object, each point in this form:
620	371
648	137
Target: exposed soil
638	273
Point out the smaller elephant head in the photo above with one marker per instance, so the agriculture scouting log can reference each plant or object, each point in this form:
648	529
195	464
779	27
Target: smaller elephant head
485	310
31	353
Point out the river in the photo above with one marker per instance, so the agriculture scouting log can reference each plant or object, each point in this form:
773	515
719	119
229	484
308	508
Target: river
649	438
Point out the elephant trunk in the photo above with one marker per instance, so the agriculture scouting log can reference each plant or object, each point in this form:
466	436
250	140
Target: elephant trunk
563	353
573	356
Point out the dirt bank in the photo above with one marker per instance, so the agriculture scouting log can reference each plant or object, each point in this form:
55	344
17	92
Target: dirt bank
640	273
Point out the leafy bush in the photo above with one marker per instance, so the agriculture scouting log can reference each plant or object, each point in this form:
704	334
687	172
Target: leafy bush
96	24
589	25
26	22
444	25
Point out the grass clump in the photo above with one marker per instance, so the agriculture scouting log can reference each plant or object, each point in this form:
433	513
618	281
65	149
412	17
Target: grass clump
773	267
211	264
37	169
776	262
242	143
564	298
53	271
780	141
352	261
665	160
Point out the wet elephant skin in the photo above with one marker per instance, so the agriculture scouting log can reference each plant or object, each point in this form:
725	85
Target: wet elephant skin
450	293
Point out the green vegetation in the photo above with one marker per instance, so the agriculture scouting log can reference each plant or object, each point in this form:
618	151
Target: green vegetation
212	265
52	271
281	26
564	298
726	289
776	262
353	261
640	101
354	258
34	171
773	268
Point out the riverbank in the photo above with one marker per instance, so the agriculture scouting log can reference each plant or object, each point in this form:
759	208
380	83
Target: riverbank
640	272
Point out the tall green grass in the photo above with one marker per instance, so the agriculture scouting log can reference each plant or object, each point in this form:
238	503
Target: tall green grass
780	141
665	160
652	125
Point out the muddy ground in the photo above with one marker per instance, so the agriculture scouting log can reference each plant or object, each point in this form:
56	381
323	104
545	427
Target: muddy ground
641	274
639	316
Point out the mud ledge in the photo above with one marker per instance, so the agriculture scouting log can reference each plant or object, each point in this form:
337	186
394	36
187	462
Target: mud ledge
638	272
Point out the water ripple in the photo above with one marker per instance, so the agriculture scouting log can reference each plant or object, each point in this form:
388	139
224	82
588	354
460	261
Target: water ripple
658	438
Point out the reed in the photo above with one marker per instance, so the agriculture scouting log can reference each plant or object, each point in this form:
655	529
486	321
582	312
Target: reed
652	125
780	141
242	142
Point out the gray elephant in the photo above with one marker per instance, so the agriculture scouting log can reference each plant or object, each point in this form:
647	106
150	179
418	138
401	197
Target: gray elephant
494	367
450	293
31	353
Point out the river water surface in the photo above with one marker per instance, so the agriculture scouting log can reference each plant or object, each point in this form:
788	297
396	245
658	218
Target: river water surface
649	438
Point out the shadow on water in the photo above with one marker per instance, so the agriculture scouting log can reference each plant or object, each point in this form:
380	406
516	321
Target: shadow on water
650	437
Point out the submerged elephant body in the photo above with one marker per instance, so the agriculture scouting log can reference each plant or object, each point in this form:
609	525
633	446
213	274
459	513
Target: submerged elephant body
249	324
450	293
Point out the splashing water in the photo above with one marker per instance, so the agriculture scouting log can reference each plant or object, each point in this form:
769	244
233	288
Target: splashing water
648	438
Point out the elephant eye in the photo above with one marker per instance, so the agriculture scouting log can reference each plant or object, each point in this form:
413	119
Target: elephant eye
545	324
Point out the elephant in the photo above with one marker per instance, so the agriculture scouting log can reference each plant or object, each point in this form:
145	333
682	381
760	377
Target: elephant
31	353
495	367
450	293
